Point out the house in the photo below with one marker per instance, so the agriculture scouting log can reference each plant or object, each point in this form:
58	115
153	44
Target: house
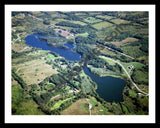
139	95
130	67
74	76
70	91
72	64
132	87
76	90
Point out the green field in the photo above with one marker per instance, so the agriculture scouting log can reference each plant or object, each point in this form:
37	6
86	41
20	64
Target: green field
22	106
101	25
57	104
92	20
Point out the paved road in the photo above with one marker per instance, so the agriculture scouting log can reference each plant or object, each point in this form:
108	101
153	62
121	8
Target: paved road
144	93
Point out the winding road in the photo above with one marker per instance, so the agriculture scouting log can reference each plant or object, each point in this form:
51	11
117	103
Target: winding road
144	93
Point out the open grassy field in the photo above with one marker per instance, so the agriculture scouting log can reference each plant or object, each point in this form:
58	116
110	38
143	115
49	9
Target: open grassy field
126	41
120	21
34	71
105	17
80	108
77	108
57	104
92	20
101	25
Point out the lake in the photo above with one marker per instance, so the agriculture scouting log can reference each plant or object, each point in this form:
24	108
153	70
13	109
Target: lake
66	53
109	88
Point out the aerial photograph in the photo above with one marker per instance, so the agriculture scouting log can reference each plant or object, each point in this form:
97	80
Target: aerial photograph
80	63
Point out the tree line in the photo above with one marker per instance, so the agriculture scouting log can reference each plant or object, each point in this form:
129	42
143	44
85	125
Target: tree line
18	79
45	31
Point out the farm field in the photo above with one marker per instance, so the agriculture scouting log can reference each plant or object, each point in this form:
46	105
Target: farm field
77	108
101	25
92	20
120	21
125	41
80	108
35	71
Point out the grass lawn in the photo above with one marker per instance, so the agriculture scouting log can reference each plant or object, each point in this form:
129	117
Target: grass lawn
83	34
108	60
57	105
50	56
134	64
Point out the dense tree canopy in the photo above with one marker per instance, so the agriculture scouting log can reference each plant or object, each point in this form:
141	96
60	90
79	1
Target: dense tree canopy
45	31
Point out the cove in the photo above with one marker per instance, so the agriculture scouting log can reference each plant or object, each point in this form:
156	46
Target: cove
109	88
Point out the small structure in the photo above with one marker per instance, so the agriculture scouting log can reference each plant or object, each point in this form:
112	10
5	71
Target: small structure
130	67
74	76
89	105
139	95
72	64
75	90
132	87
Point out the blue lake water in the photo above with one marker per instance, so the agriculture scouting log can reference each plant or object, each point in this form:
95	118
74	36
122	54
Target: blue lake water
66	53
109	88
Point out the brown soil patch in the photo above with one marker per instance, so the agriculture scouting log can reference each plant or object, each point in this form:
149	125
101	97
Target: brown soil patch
125	41
63	32
76	108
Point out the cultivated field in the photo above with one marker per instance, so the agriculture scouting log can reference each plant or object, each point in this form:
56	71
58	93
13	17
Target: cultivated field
101	25
80	108
77	108
34	71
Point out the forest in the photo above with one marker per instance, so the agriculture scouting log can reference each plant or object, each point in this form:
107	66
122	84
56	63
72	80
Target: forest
45	31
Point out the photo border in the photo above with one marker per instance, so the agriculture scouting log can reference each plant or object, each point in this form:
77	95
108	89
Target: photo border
80	119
